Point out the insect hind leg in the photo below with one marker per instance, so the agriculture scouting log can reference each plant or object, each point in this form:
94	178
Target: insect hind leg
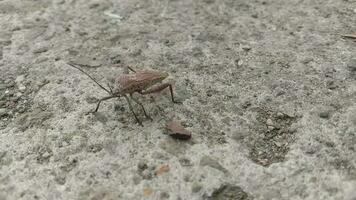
133	112
143	108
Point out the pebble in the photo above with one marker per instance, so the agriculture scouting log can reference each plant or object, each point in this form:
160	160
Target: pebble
208	161
41	49
19	79
22	87
352	65
240	62
177	131
91	100
185	162
161	170
2	112
196	187
142	165
164	195
280	115
269	122
270	128
101	117
246	48
136	179
86	61
2	86
146	174
325	114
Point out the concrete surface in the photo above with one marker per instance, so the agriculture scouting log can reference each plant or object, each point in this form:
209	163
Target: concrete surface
268	91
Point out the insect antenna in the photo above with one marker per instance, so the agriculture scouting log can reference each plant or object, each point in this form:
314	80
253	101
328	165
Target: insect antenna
102	87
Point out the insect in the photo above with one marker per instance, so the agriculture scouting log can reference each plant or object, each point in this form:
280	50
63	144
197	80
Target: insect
142	82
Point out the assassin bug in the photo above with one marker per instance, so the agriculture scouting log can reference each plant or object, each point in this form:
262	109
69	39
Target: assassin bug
142	82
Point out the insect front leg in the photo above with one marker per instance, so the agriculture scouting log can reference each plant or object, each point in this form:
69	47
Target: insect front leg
99	102
143	108
159	88
133	112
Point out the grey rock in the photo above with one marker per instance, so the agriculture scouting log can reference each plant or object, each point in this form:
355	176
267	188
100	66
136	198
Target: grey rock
3	86
164	195
40	49
325	114
229	192
352	65
100	117
87	62
208	161
2	112
196	187
136	179
142	165
34	118
185	162
269	122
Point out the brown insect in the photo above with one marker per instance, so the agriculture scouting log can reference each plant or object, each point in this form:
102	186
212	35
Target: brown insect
142	82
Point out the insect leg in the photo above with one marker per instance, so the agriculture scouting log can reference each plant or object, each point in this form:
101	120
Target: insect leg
110	88
133	112
143	108
160	88
99	102
131	69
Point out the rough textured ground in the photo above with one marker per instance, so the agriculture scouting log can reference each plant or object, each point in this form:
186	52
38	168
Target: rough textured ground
268	91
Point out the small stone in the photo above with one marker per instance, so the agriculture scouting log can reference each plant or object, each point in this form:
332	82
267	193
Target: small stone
141	165
147	192
246	104
185	162
164	195
325	114
331	84
352	65
196	187
40	49
246	48
3	86
228	191
60	179
87	62
2	112
100	117
91	99
278	144
146	174
19	79
269	122
22	87
207	161
177	131
161	170
136	179
280	115
240	62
